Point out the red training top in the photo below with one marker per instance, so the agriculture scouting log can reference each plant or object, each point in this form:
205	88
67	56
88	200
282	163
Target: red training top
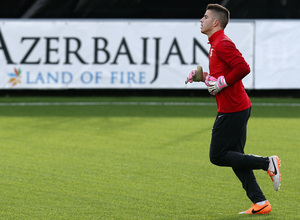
226	60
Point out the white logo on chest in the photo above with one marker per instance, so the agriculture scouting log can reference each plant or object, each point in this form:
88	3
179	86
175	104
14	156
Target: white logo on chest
211	52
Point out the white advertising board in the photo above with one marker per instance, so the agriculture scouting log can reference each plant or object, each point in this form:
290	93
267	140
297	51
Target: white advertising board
62	54
277	63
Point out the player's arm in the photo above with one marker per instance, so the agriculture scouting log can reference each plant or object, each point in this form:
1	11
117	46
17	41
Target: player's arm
196	75
227	51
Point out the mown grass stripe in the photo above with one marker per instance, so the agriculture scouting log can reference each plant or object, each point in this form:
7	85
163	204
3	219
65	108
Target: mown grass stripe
136	103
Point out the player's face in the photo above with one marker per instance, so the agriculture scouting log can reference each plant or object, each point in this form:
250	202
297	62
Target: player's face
207	22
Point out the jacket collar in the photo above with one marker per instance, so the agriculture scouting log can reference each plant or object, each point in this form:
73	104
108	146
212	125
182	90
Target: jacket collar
215	36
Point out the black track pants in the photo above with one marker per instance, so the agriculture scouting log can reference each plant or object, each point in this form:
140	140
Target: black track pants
227	149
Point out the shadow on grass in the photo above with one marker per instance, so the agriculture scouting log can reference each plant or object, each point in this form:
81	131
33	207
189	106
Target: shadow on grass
237	216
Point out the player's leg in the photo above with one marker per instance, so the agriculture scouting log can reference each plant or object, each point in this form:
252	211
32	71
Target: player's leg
246	175
250	185
226	148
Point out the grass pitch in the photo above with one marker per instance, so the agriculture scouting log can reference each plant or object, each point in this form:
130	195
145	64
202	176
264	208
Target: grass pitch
120	159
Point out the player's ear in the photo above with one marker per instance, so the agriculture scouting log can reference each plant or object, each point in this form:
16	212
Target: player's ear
216	22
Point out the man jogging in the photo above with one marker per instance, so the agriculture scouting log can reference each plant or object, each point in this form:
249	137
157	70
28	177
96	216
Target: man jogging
227	68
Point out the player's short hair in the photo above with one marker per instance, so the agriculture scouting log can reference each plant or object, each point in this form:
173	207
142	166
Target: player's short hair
222	13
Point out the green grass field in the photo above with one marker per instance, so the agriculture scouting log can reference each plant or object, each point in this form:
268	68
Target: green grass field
137	161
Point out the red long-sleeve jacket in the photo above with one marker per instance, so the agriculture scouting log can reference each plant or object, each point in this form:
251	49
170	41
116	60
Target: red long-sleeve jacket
226	60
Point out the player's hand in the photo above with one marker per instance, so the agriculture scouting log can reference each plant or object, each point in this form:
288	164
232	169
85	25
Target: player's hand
214	85
196	75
